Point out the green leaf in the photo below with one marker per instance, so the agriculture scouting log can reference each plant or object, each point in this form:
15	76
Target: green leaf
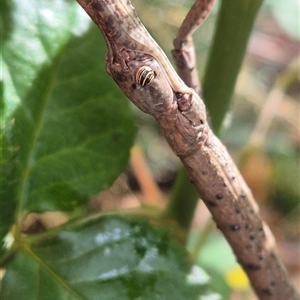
73	129
35	31
1	97
7	187
107	258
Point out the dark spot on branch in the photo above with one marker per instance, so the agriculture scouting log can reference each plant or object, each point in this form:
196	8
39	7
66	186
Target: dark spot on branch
212	203
248	247
267	292
251	237
96	6
224	184
204	172
237	211
235	227
242	196
232	177
120	77
272	283
251	211
219	196
253	267
133	86
260	257
246	226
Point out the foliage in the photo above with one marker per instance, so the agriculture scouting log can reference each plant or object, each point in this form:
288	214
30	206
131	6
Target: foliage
108	257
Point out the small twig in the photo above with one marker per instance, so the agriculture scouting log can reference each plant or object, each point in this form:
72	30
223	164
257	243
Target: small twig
184	51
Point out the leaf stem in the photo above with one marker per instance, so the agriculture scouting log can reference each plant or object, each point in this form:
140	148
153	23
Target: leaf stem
234	25
183	200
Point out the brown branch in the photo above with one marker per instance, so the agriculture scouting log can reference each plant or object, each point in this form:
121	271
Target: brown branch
143	73
184	50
